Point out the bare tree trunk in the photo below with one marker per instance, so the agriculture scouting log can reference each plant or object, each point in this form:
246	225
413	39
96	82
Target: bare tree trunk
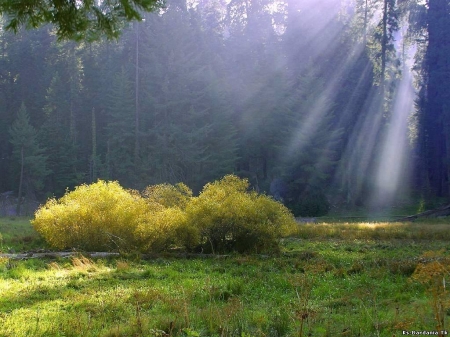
136	115
19	200
94	148
384	42
366	9
446	177
73	89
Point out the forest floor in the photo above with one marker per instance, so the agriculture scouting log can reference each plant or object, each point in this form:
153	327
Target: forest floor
331	279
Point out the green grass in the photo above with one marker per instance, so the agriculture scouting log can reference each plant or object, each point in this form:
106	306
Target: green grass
16	234
329	280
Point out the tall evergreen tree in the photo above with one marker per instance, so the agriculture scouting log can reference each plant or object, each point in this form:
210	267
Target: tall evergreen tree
59	148
120	131
434	135
28	154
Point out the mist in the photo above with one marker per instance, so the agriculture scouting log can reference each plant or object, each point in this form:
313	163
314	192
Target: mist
303	96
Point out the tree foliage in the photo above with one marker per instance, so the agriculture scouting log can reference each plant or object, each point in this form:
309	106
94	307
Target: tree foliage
76	20
29	156
273	91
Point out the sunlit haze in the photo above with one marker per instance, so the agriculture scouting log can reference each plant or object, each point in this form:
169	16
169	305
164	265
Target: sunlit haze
311	101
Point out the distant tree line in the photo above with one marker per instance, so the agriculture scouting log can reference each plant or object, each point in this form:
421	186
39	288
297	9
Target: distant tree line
293	95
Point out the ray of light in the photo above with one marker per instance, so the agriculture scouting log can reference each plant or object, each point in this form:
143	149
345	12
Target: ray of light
321	108
392	170
361	147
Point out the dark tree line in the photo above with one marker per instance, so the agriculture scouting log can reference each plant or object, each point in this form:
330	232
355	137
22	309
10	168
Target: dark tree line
434	101
294	95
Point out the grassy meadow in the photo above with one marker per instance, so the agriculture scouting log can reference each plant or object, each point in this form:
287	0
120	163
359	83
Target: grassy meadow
331	279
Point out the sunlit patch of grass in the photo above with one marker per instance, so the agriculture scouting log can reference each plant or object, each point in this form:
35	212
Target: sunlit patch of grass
375	231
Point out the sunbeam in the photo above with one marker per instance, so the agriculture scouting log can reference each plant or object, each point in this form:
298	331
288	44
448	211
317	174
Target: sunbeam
355	164
322	106
392	170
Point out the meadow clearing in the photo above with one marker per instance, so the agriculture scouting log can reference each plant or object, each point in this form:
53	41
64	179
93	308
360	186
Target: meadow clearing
330	279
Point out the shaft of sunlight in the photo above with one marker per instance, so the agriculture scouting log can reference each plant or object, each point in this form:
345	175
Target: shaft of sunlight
362	141
322	106
392	170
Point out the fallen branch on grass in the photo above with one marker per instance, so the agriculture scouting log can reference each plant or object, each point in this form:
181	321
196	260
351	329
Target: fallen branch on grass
433	213
55	255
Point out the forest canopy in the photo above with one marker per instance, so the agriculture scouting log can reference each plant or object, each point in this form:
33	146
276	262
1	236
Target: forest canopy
320	104
76	20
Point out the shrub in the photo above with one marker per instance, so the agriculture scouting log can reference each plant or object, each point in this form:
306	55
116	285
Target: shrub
164	229
100	216
224	217
231	218
168	195
167	227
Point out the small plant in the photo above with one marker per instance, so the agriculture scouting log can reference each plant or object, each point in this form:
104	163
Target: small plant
122	265
190	333
4	262
83	263
433	273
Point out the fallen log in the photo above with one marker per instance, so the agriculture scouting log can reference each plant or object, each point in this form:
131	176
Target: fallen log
55	255
433	213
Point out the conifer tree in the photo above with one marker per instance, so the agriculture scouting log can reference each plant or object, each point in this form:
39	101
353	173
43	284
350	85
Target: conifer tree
61	152
434	102
120	130
28	154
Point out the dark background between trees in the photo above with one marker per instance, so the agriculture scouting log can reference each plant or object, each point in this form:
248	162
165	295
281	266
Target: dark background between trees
280	92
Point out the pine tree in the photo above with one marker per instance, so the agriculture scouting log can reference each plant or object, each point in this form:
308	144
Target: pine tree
60	150
120	131
28	154
185	122
311	151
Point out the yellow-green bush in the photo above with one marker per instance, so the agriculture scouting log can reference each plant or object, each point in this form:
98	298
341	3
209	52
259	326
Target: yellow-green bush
100	216
224	217
164	229
167	227
167	195
231	218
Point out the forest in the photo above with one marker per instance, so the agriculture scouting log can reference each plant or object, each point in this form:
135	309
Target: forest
320	104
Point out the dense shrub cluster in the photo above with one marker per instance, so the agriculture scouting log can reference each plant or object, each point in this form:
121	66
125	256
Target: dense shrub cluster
100	216
230	218
224	217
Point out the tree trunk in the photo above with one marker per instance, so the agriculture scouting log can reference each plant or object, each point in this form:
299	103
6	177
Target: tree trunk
19	199
384	42
366	9
136	115
94	148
